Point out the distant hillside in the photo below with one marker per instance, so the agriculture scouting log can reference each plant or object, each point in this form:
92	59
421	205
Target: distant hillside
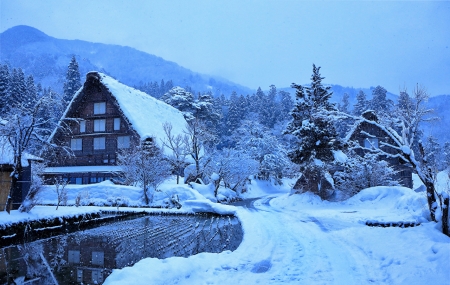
47	59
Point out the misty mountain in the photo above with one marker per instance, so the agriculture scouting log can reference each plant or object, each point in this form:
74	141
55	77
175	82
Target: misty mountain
47	58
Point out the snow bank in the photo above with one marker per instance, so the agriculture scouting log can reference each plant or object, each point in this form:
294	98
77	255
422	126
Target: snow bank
107	193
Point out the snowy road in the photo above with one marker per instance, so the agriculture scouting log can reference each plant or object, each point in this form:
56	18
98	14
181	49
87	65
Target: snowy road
297	244
301	249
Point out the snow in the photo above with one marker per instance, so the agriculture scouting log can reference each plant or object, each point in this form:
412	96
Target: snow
405	149
7	154
339	156
300	239
107	193
291	238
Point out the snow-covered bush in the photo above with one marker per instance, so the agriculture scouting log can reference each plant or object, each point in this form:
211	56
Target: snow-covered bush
232	169
256	140
144	166
358	173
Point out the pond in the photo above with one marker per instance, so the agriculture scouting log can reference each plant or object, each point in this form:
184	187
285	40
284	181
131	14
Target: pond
88	257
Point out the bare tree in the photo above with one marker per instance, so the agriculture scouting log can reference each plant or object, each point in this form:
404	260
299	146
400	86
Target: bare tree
177	144
145	166
61	191
26	130
198	140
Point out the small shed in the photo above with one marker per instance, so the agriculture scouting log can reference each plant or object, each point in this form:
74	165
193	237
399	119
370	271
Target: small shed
7	167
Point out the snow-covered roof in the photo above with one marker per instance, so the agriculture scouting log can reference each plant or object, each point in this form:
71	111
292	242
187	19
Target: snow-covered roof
7	154
83	169
145	113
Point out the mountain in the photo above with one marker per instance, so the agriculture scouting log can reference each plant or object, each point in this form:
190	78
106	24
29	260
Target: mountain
47	58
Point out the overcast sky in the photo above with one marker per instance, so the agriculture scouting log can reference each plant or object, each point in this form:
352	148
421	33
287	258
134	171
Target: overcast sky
258	43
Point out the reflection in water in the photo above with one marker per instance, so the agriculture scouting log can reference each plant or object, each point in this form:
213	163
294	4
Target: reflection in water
88	257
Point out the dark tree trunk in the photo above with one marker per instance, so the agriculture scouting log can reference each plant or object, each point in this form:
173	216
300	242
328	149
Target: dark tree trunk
15	192
445	206
431	199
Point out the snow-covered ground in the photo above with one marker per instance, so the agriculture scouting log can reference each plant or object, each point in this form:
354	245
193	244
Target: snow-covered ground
299	239
294	239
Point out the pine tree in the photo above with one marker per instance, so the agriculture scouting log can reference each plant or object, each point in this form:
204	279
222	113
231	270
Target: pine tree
345	104
315	131
234	115
446	150
4	89
73	82
18	89
433	153
31	94
361	104
268	112
379	102
182	100
286	105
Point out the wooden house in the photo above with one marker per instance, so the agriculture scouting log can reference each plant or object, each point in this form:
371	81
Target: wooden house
7	167
369	136
104	117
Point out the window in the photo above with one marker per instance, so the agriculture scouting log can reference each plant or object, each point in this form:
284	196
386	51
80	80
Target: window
98	258
76	144
80	275
78	180
74	256
371	143
99	125
82	126
93	180
123	142
99	108
97	276
99	143
117	124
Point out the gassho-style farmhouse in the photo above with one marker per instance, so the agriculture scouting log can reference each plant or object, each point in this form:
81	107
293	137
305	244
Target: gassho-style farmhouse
104	117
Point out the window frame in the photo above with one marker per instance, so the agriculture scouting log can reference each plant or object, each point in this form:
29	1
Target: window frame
99	125
116	126
82	126
98	141
76	144
121	140
100	108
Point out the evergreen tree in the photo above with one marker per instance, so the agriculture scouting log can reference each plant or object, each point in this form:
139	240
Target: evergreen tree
286	105
234	115
162	88
345	104
312	126
433	153
73	81
206	112
404	102
182	100
18	88
361	103
379	102
4	89
446	153
268	112
31	94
